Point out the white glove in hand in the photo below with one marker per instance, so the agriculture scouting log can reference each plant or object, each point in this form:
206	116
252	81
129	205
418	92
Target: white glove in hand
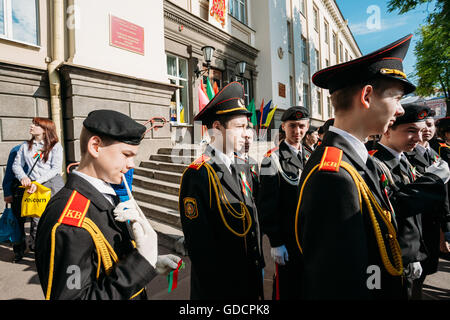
279	255
415	271
440	169
166	263
144	235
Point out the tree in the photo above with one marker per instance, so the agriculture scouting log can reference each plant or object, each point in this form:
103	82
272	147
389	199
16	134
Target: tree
433	47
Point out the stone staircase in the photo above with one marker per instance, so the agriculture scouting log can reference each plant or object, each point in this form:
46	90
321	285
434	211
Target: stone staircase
156	185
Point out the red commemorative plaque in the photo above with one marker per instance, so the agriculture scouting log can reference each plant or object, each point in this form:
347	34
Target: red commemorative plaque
126	35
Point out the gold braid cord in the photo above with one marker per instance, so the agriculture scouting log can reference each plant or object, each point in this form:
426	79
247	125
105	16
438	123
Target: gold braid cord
365	194
221	199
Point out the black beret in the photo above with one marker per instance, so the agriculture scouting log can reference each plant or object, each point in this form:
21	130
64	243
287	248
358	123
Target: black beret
227	102
384	63
295	113
324	128
311	129
413	113
115	125
443	123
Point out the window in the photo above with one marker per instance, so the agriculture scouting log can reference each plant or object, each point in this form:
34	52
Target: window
317	59
246	91
304	51
316	18
334	42
306	96
19	20
238	9
319	102
177	72
341	53
289	35
302	7
327	63
326	31
330	108
292	90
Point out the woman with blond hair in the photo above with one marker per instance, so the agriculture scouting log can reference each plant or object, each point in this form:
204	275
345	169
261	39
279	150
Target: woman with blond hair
43	154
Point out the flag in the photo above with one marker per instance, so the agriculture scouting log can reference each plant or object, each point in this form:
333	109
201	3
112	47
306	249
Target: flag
181	113
209	89
265	112
270	116
203	87
215	88
261	112
251	107
202	98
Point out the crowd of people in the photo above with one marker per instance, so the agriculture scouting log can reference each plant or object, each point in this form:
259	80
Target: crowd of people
347	217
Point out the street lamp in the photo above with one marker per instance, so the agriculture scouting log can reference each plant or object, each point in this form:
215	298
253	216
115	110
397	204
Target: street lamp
208	52
241	66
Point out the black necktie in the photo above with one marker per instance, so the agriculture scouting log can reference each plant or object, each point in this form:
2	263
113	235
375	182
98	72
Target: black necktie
427	156
405	167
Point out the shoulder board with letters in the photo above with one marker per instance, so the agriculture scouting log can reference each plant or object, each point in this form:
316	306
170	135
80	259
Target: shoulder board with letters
75	210
331	159
372	152
198	163
268	153
444	145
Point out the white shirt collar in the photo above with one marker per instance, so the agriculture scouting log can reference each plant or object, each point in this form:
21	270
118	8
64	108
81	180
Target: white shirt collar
101	186
223	158
293	149
396	154
357	145
421	149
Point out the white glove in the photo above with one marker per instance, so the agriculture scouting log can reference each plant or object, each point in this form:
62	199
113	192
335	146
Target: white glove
166	263
415	271
279	255
144	235
440	169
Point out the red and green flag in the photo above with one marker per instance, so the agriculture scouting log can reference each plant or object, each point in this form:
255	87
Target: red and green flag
172	277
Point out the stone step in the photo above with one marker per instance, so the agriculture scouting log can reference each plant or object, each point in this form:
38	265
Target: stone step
155	197
158	175
172	159
163	166
161	214
180	152
170	237
156	185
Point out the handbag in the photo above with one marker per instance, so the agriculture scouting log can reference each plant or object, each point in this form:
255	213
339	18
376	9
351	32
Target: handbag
34	204
9	227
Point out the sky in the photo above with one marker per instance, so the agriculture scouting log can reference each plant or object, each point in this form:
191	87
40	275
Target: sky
374	27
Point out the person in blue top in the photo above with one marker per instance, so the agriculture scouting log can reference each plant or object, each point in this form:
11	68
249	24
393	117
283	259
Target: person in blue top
9	177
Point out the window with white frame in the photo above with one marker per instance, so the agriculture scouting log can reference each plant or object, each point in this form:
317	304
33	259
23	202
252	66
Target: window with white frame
306	96
19	21
326	31
316	18
238	9
177	72
317	59
304	50
319	102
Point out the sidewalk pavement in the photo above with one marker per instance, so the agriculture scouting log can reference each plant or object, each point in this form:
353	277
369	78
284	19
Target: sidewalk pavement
20	280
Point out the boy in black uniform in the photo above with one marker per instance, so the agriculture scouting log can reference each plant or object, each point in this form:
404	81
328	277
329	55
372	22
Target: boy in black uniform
412	194
84	247
310	141
421	158
217	210
344	226
279	185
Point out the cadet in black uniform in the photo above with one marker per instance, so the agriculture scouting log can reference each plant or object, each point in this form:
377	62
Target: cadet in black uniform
310	141
345	227
82	252
279	185
421	158
217	210
412	194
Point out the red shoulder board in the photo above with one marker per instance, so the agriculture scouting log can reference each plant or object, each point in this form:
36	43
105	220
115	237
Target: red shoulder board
443	145
331	159
198	163
75	210
268	153
372	152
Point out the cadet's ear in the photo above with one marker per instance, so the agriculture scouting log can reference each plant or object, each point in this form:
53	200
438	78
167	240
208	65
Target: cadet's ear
365	95
93	144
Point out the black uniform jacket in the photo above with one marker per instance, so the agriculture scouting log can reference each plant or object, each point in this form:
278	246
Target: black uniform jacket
431	223
411	200
340	251
225	263
277	197
75	251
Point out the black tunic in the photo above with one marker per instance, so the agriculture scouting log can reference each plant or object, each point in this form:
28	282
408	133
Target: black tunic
74	247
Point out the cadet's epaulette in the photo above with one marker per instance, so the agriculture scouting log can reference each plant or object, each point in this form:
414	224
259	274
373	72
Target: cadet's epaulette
443	144
372	152
75	210
198	163
268	153
331	159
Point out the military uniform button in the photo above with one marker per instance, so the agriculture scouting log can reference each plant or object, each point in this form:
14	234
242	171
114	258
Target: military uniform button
256	263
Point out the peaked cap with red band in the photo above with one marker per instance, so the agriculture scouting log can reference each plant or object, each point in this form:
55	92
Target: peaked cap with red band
227	102
386	62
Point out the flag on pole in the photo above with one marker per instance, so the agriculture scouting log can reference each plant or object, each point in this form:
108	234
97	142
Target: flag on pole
215	88
203	87
270	116
265	112
209	89
251	107
202	99
181	113
261	112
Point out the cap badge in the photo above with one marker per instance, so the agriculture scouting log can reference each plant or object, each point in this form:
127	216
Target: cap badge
394	72
299	115
422	115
